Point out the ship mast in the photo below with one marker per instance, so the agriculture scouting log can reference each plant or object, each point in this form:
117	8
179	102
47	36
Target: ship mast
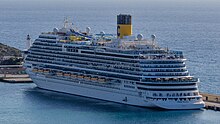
65	25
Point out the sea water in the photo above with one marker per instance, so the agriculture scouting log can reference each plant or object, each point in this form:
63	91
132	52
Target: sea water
191	26
26	104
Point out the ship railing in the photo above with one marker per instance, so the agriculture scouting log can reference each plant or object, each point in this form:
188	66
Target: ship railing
168	57
166	74
164	70
174	95
82	81
179	100
91	77
84	76
188	79
108	62
45	45
162	57
163	65
48	33
96	56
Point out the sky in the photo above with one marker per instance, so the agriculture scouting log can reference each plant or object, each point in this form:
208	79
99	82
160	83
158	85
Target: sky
105	3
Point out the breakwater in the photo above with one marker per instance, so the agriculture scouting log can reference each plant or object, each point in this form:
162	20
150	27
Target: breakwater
15	78
212	101
13	74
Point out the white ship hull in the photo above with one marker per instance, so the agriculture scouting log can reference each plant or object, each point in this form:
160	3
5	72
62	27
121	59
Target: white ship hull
87	91
114	95
123	69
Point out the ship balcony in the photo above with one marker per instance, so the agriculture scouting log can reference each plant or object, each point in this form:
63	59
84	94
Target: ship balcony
49	45
164	69
82	56
162	61
178	103
180	98
164	88
168	80
163	74
162	66
41	40
174	95
45	48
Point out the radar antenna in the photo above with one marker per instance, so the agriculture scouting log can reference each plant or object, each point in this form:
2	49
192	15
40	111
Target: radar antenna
67	23
153	39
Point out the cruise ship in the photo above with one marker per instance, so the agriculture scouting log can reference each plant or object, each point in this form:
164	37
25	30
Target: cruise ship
121	68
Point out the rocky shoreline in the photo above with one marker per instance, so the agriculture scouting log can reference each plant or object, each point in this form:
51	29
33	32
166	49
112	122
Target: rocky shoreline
11	69
10	55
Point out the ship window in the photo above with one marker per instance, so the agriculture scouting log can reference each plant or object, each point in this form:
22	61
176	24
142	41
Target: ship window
154	94
128	86
183	89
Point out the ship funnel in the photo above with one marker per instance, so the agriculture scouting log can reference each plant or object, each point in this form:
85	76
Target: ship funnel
124	26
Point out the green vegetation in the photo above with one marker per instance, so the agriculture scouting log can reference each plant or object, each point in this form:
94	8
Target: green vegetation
12	61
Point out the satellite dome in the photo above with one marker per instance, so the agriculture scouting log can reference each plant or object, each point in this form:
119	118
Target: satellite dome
88	29
153	37
55	30
139	37
102	33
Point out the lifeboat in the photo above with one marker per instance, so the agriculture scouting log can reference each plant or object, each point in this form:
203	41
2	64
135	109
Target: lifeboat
101	80
73	75
46	71
59	74
40	70
74	38
94	79
166	79
87	77
67	74
175	79
80	76
158	79
64	41
34	70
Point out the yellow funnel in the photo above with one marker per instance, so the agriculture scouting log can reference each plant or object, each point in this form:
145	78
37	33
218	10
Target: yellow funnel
124	26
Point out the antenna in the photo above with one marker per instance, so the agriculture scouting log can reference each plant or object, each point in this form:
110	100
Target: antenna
153	39
66	22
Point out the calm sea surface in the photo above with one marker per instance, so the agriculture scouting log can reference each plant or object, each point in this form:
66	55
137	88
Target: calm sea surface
193	28
26	104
